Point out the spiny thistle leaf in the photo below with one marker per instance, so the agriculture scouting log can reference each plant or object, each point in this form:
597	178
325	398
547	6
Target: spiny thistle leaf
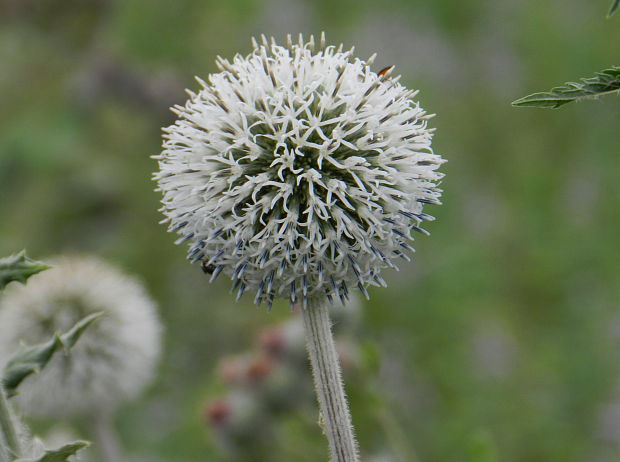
61	454
32	359
605	82
19	268
613	9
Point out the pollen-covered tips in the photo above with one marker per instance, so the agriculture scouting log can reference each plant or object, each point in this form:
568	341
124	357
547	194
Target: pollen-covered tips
299	172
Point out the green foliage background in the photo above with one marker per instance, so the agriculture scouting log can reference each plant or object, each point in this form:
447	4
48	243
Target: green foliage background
507	323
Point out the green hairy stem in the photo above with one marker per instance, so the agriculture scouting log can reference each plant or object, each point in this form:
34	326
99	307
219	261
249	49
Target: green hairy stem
328	384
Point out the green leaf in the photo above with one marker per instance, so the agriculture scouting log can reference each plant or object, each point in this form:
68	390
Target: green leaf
31	359
605	82
19	268
614	7
371	357
61	454
481	447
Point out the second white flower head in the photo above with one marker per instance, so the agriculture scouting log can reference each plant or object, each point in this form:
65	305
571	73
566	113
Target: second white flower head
113	360
299	172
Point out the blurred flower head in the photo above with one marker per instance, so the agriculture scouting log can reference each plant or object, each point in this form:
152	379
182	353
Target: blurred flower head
238	421
272	381
112	361
298	171
245	370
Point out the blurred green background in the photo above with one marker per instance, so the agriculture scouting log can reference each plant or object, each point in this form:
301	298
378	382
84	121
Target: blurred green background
500	342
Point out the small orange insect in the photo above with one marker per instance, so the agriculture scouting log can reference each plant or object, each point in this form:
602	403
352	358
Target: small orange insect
384	71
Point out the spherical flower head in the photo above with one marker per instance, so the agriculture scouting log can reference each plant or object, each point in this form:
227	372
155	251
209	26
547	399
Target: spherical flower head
299	172
113	359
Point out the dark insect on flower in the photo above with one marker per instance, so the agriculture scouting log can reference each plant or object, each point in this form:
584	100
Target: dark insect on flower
207	269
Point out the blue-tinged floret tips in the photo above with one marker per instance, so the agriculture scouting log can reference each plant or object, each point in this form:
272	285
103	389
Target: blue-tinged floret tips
298	171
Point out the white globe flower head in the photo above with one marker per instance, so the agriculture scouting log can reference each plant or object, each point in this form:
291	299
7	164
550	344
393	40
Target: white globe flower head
113	359
299	172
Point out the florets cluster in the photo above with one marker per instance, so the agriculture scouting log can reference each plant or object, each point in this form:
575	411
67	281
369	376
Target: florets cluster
113	359
298	171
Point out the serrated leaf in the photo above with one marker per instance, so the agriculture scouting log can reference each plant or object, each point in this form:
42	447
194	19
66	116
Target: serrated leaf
61	454
19	268
72	335
31	359
613	9
605	82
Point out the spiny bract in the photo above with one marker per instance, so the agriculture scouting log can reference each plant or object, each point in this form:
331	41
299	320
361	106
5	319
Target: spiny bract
298	171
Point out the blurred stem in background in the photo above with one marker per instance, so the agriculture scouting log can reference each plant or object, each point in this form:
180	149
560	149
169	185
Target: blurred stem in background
106	439
328	384
395	434
9	430
399	442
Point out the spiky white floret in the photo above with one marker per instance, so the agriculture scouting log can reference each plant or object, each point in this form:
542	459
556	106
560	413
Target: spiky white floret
113	359
298	171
